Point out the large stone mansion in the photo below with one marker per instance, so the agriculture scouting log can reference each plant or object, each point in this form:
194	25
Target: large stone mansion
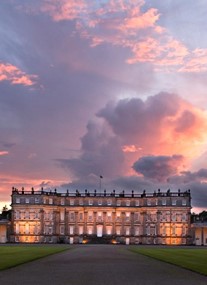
52	217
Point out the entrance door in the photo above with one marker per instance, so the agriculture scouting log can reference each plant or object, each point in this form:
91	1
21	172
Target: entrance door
99	231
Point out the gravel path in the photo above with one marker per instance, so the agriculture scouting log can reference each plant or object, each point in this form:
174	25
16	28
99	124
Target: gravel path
99	265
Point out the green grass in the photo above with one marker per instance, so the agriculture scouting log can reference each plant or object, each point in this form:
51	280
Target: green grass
14	255
194	259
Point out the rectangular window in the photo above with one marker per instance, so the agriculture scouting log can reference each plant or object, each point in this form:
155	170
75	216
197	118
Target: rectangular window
127	217
183	231
136	217
148	230
118	203
90	202
184	217
128	203
71	230
137	203
27	229
99	217
36	200
127	231
173	202
27	200
50	201
109	230
26	215
90	216
136	231
109	202
80	230
81	216
72	216
62	201
109	216
81	202
118	230
62	230
18	200
62	216
72	202
90	230
184	202
148	202
164	202
17	229
99	202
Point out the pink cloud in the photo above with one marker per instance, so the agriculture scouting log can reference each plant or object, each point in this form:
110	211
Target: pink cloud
13	74
128	24
3	152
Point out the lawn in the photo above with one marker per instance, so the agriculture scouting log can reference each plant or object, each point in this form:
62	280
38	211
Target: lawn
14	255
194	259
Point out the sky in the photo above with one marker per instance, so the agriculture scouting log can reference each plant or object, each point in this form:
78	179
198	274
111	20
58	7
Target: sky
115	88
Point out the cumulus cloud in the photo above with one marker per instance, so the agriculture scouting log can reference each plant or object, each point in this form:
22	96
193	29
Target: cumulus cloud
101	154
15	75
127	131
158	167
163	121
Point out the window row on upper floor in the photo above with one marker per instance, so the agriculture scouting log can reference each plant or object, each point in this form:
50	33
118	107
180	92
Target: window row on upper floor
103	202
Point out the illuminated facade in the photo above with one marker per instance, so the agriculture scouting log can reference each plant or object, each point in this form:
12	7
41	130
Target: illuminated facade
51	217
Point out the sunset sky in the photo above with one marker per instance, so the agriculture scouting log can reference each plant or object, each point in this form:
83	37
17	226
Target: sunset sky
116	88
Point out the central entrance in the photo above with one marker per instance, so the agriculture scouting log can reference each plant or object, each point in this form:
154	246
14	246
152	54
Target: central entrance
99	231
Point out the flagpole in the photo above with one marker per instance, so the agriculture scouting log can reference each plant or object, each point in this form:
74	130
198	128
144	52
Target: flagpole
100	181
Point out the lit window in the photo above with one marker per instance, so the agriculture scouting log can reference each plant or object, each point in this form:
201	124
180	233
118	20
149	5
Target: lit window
27	229
50	201
80	230
118	230
17	229
62	216
90	230
127	231
127	217
71	230
109	230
